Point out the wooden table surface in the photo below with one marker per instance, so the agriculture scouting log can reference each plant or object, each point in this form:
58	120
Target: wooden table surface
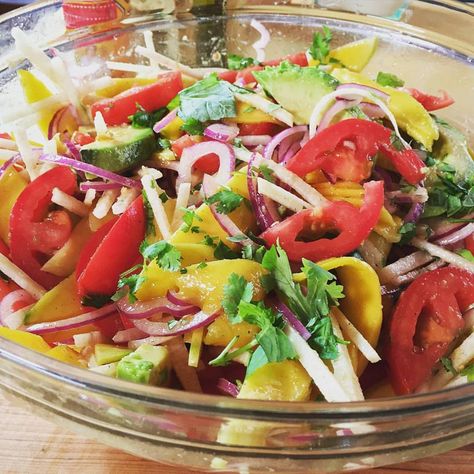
29	444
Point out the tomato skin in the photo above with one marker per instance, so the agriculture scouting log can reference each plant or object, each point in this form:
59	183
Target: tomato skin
327	151
207	164
299	59
118	251
82	138
229	76
246	75
117	109
354	226
32	232
439	297
263	128
432	102
469	243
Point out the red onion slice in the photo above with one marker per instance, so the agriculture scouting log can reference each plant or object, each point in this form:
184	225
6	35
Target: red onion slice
221	133
371	110
292	320
372	90
415	212
338	106
262	43
88	168
291	152
194	153
227	387
13	302
128	335
8	163
145	309
174	298
187	324
75	153
459	234
255	140
161	124
279	137
74	322
98	186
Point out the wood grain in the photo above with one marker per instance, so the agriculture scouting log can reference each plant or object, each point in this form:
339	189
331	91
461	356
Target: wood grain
29	444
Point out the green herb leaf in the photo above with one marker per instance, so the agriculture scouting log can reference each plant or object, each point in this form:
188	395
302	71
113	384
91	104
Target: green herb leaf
164	143
96	301
236	290
448	365
167	256
387	79
189	217
193	127
469	372
407	232
396	142
236	62
133	282
225	200
150	218
466	254
210	241
143	119
222	252
202	265
257	360
163	197
320	47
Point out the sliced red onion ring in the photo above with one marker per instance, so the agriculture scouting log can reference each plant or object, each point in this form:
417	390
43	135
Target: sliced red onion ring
8	163
279	137
173	298
161	124
371	110
76	154
187	324
74	322
290	153
128	335
60	119
444	228
13	302
459	234
372	90
98	186
415	212
338	106
227	387
262	43
255	140
194	153
210	187
262	212
292	320
88	168
221	132
145	309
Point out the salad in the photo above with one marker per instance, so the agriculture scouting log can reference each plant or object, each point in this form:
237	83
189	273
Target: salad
285	229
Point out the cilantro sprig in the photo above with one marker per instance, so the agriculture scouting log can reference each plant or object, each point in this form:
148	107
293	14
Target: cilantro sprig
236	62
143	119
225	200
388	79
320	47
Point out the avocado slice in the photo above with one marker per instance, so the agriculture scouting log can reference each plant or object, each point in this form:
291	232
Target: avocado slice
148	365
107	353
452	148
297	89
120	149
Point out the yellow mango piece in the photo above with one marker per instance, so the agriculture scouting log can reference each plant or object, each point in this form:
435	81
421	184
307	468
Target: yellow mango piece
68	355
157	282
355	55
278	381
108	353
249	114
31	341
11	186
61	302
411	116
245	433
64	261
221	331
173	131
195	253
34	91
121	84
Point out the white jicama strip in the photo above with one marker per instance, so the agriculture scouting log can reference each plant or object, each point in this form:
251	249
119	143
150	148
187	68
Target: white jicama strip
404	265
153	172
443	254
459	380
15	320
88	339
282	196
105	203
89	197
266	106
69	202
464	353
179	359
168	62
127	196
182	199
324	379
410	276
149	186
7	154
8	144
342	365
21	278
50	147
27	154
300	186
19	113
150	45
356	337
130	67
99	124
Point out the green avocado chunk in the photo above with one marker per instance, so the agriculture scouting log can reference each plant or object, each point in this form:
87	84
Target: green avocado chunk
107	353
297	89
147	365
120	149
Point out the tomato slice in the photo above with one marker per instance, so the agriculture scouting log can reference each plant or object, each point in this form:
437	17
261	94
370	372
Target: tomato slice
82	138
229	76
117	109
432	102
34	231
299	59
427	319
263	128
344	150
117	251
207	164
469	243
352	224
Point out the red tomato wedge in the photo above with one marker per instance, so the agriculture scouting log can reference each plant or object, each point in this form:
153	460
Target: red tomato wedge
263	128
344	151
117	109
116	251
432	102
427	319
207	164
35	232
469	243
353	226
299	59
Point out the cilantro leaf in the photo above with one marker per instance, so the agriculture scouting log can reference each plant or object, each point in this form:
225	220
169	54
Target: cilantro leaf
467	254
448	365
319	49
222	252
407	232
143	119
258	359
167	256
387	79
396	142
188	219
193	126
225	200
236	290
133	282
96	301
163	143
236	62
208	99
150	218
469	372
209	241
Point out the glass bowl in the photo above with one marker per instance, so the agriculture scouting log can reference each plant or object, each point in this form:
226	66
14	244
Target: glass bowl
430	45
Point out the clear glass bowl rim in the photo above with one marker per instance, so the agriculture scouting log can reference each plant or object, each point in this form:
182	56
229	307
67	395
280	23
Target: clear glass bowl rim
225	406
